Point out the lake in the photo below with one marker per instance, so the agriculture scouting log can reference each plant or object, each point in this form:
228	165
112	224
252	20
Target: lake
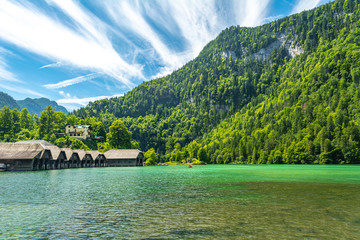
176	202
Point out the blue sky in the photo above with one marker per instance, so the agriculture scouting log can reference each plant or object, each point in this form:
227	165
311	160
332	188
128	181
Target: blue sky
76	51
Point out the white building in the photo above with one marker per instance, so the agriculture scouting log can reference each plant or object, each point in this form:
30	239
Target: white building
81	132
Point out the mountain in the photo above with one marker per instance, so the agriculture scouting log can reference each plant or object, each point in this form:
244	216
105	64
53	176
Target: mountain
6	100
37	105
283	92
34	106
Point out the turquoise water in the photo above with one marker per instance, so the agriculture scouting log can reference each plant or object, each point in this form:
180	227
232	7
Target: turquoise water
176	202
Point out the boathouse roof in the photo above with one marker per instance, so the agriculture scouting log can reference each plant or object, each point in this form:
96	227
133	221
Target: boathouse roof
42	142
122	154
55	151
12	151
94	154
69	153
82	154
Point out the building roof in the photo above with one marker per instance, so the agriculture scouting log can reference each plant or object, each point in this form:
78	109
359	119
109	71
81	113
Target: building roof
122	154
69	153
81	153
55	151
94	154
82	126
12	151
42	142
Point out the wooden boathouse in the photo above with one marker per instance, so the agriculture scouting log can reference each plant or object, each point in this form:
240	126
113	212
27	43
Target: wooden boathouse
24	156
85	158
124	158
42	155
72	158
57	155
99	159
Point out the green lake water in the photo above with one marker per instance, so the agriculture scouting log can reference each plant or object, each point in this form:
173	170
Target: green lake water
176	202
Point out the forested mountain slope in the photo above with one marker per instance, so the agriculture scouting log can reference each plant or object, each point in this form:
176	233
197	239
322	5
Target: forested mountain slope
7	100
282	92
37	105
33	105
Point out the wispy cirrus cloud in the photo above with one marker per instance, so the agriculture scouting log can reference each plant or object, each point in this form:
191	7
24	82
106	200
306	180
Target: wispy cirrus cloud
41	34
122	42
5	73
52	65
75	102
72	81
302	5
193	23
18	89
8	80
251	13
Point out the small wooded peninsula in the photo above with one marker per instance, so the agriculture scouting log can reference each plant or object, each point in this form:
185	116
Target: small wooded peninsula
284	92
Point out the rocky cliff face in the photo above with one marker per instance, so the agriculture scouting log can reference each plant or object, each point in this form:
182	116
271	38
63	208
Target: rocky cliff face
281	39
264	53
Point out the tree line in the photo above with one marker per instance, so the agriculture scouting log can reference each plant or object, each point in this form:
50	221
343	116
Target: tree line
50	126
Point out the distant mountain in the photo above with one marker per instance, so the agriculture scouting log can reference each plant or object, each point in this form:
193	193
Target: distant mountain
7	100
34	106
37	105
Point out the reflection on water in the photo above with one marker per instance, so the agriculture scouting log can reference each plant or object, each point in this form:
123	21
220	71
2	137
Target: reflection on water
205	202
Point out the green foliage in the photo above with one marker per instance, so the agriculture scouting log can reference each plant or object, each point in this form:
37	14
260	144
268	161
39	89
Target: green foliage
99	129
242	108
233	105
118	136
17	126
47	119
202	156
151	157
69	142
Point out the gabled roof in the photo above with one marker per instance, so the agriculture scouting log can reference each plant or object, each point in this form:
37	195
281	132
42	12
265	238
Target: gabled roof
122	154
81	153
55	151
94	154
12	151
42	142
69	153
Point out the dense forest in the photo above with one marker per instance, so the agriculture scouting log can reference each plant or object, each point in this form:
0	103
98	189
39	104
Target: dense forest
50	126
283	92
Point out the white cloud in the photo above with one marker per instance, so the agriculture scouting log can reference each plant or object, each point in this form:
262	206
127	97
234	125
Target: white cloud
39	33
9	81
72	81
164	33
303	5
194	22
5	73
65	95
22	90
51	65
75	102
198	22
127	14
250	13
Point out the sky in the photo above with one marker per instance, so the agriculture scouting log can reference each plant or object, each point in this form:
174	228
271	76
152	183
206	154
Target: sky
76	51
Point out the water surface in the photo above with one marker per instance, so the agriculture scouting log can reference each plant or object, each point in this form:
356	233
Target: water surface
175	202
